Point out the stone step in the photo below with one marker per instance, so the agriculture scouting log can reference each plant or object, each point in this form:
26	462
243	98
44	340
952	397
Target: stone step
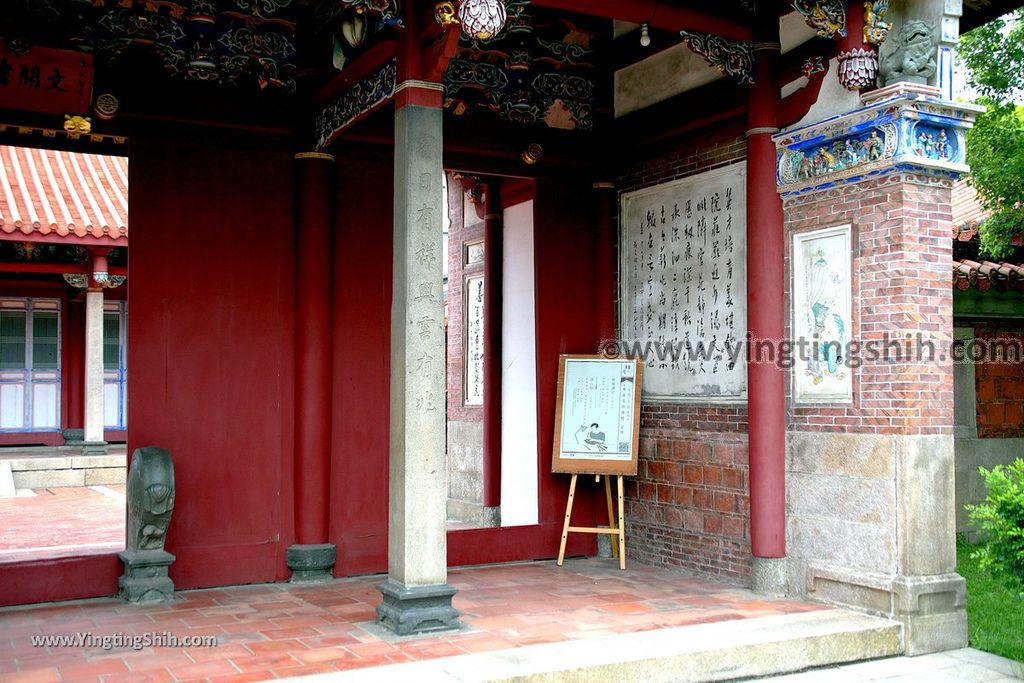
61	468
7	488
721	651
66	462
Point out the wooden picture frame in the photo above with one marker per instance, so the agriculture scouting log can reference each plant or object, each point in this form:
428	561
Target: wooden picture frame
583	451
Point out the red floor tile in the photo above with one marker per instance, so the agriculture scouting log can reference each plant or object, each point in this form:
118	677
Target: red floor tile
41	526
287	630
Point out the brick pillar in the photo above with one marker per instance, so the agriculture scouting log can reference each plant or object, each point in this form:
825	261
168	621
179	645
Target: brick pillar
870	504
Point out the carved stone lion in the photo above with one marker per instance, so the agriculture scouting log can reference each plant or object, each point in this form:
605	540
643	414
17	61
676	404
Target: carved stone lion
913	60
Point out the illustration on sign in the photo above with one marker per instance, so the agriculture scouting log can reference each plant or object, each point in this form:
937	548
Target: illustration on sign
597	409
822	314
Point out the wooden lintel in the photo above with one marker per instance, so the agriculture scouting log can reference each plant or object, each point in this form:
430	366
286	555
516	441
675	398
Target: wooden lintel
365	64
657	13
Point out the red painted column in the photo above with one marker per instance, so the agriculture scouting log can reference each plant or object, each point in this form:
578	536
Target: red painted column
604	249
765	307
75	372
312	557
854	37
493	255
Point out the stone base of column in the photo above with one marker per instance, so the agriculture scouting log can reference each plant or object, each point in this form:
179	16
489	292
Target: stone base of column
769	576
74	437
930	607
311	563
94	448
417	609
145	576
932	611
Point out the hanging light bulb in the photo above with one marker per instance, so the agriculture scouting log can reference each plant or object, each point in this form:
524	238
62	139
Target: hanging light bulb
482	19
645	36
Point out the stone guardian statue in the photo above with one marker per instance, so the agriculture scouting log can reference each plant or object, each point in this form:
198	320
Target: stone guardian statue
150	493
913	59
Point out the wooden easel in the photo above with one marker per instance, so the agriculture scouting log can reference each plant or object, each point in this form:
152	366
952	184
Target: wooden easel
617	530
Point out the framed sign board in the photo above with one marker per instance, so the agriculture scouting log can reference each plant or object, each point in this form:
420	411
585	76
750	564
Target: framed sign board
597	415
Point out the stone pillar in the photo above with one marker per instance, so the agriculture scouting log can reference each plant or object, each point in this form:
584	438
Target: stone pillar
417	597
870	448
493	257
766	402
93	400
312	557
605	207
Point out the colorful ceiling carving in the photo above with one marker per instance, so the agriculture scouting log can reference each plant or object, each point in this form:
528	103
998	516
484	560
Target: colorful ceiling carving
535	71
228	41
731	57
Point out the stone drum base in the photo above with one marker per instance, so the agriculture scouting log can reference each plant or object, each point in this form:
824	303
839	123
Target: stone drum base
311	563
418	609
145	576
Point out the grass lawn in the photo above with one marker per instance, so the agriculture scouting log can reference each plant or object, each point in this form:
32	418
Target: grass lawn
995	612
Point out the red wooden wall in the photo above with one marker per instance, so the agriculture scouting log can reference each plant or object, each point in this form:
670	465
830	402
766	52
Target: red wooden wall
211	355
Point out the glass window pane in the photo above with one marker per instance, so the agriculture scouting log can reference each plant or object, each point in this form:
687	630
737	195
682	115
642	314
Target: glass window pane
44	340
44	325
44	355
12	340
12	324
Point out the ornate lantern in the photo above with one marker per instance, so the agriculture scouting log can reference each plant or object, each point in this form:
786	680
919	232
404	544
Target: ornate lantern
482	19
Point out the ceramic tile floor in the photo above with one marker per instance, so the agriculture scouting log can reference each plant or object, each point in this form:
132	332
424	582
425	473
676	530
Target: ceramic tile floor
280	630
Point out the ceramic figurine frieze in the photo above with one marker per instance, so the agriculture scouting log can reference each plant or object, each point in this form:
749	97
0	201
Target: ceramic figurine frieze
902	131
934	143
839	155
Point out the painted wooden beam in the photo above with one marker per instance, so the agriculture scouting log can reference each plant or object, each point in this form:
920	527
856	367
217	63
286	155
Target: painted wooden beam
657	13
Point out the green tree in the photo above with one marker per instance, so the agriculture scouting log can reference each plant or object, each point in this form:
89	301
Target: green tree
994	57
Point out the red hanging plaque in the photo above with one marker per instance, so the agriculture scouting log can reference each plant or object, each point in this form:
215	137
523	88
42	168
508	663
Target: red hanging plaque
45	80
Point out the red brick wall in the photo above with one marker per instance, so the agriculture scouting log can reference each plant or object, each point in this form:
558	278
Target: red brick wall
902	251
1000	387
688	506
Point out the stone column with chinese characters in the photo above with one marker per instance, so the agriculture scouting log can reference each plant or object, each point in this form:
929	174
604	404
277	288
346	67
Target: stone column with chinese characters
94	442
417	597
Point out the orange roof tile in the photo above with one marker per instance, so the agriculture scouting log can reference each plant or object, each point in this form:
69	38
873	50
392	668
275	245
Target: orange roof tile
68	195
967	207
986	275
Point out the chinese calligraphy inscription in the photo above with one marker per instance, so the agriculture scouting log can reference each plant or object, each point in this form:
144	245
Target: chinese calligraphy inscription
474	355
684	288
